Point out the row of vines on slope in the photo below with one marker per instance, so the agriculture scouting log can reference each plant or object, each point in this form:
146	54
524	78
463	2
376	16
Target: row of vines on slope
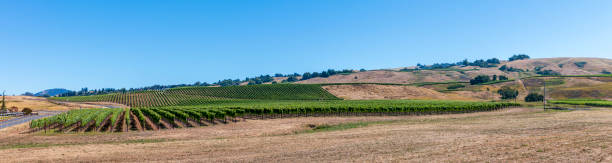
209	95
154	118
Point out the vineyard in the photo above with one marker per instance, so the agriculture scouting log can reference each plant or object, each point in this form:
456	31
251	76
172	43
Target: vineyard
589	102
209	95
155	118
204	106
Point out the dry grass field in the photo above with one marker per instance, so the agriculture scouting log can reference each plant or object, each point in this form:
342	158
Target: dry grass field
39	103
373	91
510	135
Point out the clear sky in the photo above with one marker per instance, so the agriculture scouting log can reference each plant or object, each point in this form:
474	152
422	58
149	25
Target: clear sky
114	44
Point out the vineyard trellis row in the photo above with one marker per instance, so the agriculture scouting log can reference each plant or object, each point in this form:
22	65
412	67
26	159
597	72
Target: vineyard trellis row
207	95
153	118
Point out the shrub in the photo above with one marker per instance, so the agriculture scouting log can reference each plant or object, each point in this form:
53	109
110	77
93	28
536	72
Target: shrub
480	79
493	61
27	111
511	69
507	92
534	97
548	72
580	64
501	77
518	57
455	86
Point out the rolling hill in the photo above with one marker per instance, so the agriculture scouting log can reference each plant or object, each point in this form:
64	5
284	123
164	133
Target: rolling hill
570	87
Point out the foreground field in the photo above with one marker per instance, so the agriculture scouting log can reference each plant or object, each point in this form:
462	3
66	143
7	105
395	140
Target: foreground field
155	118
519	134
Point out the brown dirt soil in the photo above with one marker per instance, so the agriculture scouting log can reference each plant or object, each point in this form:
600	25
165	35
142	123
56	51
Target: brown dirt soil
511	135
136	122
372	91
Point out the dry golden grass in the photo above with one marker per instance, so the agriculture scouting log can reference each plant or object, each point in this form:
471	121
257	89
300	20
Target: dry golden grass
593	66
372	91
511	135
39	103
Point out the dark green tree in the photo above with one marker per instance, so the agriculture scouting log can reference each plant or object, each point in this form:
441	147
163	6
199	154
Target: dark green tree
534	97
493	61
292	79
518	57
508	93
480	79
501	77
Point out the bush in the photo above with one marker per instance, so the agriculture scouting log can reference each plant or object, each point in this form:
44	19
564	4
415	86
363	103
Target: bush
480	79
518	57
501	77
26	111
548	72
493	61
511	69
455	86
534	97
508	93
580	64
605	72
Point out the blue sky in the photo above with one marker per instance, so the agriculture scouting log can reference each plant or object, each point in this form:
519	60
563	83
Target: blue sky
115	44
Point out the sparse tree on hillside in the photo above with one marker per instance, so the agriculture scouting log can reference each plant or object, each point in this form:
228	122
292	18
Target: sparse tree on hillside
534	97
292	79
518	57
480	79
508	93
501	77
580	64
493	61
465	62
306	76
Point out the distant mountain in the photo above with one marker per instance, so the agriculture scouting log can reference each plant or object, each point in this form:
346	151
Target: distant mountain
52	92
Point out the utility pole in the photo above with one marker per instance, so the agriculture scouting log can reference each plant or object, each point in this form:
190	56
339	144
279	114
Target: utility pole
544	99
3	108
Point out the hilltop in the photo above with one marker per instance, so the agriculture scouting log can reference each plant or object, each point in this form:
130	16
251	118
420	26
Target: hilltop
527	67
52	92
366	85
